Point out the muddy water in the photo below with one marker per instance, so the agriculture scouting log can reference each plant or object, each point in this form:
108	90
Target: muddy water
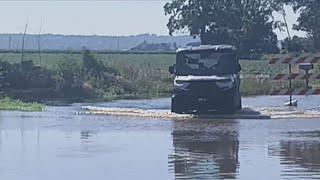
62	143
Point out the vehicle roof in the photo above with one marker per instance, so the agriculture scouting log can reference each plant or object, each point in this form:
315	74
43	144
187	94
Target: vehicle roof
207	47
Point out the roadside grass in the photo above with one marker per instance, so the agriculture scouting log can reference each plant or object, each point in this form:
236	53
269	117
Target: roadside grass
17	105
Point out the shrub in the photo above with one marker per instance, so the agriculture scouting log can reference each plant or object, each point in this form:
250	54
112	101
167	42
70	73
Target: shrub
68	74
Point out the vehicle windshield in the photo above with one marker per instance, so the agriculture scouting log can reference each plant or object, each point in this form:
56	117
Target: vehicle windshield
206	62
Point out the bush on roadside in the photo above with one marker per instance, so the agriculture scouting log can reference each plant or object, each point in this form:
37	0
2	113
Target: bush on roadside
25	75
17	105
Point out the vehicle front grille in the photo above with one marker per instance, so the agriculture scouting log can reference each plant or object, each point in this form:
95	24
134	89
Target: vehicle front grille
203	88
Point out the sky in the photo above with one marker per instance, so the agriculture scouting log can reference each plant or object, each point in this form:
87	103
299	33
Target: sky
104	17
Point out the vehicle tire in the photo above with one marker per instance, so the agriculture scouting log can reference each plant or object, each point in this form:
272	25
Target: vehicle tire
177	106
230	110
230	106
240	104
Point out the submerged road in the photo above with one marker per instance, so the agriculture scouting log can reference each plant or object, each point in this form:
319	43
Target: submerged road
63	143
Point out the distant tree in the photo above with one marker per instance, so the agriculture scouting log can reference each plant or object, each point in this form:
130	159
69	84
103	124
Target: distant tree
297	44
89	62
24	76
68	74
2	82
248	24
257	26
92	66
309	18
212	20
144	46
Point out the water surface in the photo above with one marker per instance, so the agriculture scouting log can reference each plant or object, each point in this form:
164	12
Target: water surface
62	143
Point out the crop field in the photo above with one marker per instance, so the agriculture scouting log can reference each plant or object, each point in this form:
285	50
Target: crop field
158	61
50	59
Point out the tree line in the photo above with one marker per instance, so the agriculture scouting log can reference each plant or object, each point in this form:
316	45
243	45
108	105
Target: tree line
247	24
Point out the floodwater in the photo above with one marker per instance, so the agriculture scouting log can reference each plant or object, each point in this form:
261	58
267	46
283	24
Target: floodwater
63	143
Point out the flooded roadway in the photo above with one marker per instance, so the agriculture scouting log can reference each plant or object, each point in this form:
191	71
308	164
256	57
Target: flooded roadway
62	143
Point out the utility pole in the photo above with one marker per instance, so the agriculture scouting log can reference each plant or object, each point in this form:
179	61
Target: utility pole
23	39
39	43
286	23
9	46
118	43
290	66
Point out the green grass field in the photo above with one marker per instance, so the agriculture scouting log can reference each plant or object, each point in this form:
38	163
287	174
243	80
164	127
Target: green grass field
138	60
153	61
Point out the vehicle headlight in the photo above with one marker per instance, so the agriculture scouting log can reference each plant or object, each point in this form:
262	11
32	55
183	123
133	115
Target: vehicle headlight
226	84
181	85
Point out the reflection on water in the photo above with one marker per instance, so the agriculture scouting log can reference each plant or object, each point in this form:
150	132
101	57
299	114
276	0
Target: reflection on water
85	135
305	154
300	155
204	150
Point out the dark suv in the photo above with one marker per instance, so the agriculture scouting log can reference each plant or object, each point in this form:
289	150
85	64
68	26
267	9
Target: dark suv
206	80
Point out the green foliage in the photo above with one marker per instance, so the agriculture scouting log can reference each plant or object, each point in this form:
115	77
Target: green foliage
68	73
2	82
100	78
17	105
144	46
2	72
25	75
298	45
92	65
309	18
245	24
